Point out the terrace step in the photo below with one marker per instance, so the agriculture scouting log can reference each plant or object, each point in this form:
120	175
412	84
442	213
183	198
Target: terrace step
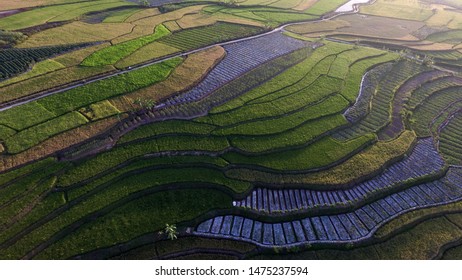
423	160
241	57
355	226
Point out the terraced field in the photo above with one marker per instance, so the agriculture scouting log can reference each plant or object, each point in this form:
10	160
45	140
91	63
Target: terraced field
255	136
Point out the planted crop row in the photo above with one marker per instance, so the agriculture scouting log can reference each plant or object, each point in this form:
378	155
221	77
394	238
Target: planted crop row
263	123
352	82
299	136
311	95
357	167
336	229
290	81
30	137
108	196
343	61
424	115
450	144
44	109
14	61
423	162
121	154
396	125
135	218
369	85
426	90
313	155
195	38
241	58
381	104
233	89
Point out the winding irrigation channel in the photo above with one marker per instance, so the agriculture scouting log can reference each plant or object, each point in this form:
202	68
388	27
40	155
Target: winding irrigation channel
39	95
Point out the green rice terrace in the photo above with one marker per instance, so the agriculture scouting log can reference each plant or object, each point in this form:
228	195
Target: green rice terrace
230	129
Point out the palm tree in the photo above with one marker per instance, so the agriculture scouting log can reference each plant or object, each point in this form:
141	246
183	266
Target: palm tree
171	231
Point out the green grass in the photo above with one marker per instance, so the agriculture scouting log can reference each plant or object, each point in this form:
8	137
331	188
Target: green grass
110	87
27	169
270	16
50	80
450	37
170	126
26	189
33	192
342	64
398	9
135	218
6	132
294	79
426	90
30	137
114	53
135	166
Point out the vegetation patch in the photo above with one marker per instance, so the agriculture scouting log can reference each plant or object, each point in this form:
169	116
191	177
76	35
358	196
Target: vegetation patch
112	54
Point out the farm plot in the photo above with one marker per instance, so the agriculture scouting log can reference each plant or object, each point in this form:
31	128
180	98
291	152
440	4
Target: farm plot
241	57
423	162
336	229
449	141
77	32
379	115
56	13
279	141
195	38
114	53
361	26
362	164
16	61
369	83
57	105
419	95
424	115
410	10
396	126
